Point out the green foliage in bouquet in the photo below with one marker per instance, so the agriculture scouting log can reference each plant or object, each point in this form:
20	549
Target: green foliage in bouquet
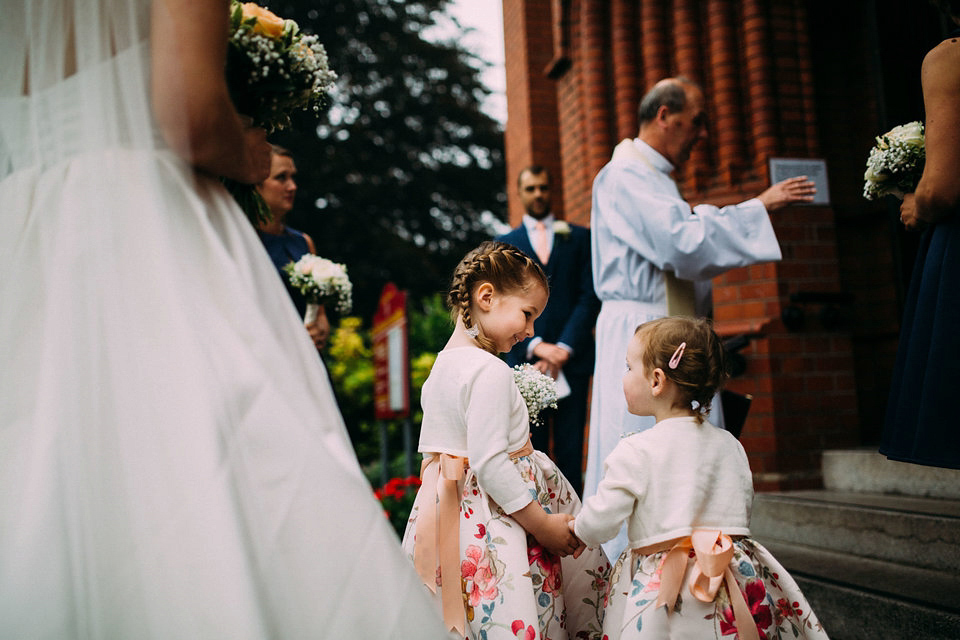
249	199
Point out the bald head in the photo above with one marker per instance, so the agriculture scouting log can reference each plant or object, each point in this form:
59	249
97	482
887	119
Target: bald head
672	118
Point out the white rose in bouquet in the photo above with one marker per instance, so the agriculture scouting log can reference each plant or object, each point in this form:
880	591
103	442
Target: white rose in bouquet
321	282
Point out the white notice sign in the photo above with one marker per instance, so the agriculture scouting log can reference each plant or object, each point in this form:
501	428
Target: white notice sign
815	169
395	368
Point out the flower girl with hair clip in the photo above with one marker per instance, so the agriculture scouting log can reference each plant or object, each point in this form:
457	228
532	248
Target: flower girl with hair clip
691	569
489	532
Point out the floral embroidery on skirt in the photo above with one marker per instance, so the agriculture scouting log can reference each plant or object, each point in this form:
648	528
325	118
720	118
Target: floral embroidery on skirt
776	603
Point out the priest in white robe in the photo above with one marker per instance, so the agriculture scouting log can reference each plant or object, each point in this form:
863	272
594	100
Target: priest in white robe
646	239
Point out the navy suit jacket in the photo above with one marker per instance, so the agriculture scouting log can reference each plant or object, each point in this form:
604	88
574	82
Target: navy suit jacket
572	308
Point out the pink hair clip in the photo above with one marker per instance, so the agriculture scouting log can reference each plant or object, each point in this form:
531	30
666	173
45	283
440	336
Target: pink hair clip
675	358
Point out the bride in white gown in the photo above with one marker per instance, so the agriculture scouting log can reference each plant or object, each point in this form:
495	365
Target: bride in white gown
172	461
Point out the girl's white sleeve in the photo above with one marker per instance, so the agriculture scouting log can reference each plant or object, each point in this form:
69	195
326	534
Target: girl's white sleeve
618	494
491	410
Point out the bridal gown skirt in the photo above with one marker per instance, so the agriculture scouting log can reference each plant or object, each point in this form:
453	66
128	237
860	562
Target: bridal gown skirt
172	461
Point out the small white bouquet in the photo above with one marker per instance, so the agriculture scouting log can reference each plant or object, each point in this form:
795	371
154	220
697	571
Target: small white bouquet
321	282
538	390
896	162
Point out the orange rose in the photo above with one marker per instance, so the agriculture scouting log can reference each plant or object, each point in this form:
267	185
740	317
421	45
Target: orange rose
268	23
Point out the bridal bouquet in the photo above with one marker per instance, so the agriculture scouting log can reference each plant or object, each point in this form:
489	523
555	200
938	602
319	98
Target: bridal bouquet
539	391
272	70
896	162
321	282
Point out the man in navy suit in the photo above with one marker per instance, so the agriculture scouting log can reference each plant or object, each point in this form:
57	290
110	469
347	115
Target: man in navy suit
563	340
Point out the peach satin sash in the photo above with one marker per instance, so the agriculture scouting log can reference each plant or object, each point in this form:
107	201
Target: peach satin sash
437	545
713	551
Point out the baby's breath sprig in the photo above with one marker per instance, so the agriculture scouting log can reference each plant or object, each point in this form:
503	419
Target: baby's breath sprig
273	68
539	391
896	162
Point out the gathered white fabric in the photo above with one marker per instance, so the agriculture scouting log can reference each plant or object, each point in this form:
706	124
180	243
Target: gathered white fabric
485	424
172	460
668	481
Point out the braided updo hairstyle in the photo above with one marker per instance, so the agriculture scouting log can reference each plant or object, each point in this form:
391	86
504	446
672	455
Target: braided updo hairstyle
507	268
700	369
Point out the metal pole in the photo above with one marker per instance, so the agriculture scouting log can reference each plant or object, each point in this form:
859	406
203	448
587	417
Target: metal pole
384	471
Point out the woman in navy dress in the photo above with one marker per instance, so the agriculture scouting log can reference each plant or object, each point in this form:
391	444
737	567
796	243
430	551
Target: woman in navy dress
284	244
922	412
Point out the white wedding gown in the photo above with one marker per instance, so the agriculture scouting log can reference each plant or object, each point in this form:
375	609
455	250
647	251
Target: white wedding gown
172	461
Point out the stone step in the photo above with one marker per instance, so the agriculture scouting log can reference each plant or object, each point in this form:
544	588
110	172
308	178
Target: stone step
912	531
858	599
865	470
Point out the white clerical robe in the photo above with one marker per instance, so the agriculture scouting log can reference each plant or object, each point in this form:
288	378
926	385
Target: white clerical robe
641	227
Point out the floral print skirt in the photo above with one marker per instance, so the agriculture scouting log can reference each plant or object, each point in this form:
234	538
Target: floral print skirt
511	586
778	607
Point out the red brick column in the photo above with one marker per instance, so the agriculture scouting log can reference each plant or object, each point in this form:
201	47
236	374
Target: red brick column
725	90
654	40
593	47
688	62
623	20
532	125
761	100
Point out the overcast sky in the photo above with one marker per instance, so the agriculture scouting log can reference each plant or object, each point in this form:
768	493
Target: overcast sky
485	16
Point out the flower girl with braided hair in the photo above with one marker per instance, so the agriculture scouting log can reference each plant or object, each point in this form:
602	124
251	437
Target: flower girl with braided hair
685	489
489	531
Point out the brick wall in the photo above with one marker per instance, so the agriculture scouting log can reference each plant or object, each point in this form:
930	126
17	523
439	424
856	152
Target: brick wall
787	79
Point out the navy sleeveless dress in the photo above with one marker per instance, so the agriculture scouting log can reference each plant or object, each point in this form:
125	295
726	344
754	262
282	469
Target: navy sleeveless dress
285	248
921	423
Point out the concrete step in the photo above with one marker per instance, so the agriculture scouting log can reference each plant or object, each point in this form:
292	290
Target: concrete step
924	588
857	614
916	532
865	470
863	599
830	543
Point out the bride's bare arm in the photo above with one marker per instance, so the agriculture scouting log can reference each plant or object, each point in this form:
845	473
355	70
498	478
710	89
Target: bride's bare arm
190	99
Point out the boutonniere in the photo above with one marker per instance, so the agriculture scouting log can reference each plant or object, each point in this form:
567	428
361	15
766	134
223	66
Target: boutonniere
561	229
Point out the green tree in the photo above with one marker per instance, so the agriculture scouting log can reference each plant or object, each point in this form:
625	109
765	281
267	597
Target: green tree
403	173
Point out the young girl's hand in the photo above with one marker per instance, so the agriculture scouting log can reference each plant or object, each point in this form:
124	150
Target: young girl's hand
556	536
550	529
576	554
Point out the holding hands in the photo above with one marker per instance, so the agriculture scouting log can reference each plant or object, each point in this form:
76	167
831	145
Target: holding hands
553	530
790	191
